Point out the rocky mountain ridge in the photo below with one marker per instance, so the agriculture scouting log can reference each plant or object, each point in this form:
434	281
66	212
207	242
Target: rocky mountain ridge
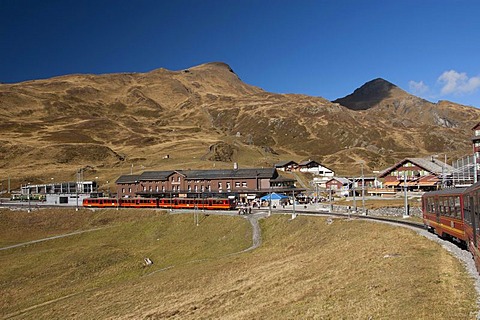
206	116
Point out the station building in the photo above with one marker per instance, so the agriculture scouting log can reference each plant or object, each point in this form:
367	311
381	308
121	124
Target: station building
242	184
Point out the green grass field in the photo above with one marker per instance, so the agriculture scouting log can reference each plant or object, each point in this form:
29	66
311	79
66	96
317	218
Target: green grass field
305	269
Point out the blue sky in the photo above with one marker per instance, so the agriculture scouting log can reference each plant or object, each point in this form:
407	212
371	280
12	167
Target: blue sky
430	48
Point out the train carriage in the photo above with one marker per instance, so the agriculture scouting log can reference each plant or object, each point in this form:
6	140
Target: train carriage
443	213
139	203
472	221
100	202
167	203
197	203
455	213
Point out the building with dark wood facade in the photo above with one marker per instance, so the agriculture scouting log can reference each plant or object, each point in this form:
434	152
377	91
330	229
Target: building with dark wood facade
417	174
238	183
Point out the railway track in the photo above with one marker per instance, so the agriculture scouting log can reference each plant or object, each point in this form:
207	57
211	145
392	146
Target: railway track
358	216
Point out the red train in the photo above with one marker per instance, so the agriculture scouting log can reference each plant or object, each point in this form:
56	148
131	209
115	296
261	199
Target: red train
455	214
167	203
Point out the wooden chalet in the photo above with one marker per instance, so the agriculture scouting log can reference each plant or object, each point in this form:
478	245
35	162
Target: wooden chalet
314	167
417	174
287	166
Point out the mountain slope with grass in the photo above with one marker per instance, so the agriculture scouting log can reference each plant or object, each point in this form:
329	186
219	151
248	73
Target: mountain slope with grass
205	117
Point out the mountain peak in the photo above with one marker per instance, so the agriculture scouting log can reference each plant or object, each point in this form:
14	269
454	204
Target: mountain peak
369	94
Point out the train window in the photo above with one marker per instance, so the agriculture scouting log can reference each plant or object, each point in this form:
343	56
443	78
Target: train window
446	206
433	205
441	207
458	209
453	208
446	209
467	210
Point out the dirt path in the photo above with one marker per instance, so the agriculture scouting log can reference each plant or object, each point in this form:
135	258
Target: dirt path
50	238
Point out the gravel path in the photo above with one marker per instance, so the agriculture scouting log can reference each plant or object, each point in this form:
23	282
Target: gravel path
256	232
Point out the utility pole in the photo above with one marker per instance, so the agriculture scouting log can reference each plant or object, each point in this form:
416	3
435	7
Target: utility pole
270	203
330	199
29	208
363	191
354	199
293	212
76	188
405	215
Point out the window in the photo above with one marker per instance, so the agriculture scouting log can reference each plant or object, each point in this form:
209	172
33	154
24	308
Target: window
219	186
237	184
196	188
202	188
163	188
129	189
244	184
123	190
228	186
178	179
156	188
189	188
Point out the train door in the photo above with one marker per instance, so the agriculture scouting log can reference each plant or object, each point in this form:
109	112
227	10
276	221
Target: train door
476	217
438	206
471	212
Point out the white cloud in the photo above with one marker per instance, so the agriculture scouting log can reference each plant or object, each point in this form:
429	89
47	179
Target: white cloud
417	87
454	82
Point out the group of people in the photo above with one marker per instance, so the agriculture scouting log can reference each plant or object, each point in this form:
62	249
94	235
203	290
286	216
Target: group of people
245	210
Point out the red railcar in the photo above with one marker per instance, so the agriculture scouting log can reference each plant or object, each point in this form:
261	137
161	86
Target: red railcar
455	213
443	213
101	202
472	221
168	203
197	203
139	203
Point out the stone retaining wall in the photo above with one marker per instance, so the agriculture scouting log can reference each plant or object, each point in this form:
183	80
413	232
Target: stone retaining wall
385	211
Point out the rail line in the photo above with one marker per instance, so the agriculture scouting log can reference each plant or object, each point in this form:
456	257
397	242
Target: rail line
358	216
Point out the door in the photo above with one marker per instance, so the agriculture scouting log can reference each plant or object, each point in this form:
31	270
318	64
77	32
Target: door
472	213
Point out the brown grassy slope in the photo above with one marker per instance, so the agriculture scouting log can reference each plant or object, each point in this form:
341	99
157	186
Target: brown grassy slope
305	268
107	123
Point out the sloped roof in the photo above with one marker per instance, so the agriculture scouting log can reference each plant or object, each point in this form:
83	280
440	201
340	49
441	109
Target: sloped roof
344	181
431	165
285	163
307	162
155	175
130	178
262	173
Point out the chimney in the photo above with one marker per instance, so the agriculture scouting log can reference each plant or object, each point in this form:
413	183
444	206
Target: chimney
235	166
